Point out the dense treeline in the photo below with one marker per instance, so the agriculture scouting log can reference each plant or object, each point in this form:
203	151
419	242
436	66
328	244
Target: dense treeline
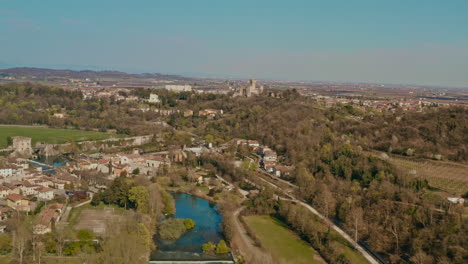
435	133
28	104
373	200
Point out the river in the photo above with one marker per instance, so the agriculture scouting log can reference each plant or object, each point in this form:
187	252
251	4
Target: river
189	245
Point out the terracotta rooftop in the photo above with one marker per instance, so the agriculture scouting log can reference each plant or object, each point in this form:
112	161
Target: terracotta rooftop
16	197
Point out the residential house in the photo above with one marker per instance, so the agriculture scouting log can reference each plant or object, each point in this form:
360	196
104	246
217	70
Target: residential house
6	171
187	113
119	170
211	113
45	193
5	213
270	155
283	171
4	191
45	219
456	200
194	177
26	187
18	202
269	166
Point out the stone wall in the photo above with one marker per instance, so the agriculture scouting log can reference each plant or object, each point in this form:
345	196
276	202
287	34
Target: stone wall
56	149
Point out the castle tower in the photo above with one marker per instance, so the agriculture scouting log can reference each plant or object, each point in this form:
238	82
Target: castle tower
251	89
22	146
253	84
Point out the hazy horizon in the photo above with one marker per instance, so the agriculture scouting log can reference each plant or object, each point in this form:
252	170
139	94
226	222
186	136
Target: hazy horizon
392	42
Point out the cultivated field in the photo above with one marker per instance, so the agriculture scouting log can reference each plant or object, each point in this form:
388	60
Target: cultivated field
48	135
282	243
447	176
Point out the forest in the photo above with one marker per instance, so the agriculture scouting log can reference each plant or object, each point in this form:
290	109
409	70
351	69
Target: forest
369	197
331	150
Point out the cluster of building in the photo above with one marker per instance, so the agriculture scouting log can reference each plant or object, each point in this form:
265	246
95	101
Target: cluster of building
20	181
165	112
209	113
178	88
26	184
269	158
123	164
122	94
380	105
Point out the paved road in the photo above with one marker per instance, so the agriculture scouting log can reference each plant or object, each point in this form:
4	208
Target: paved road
288	193
246	240
335	227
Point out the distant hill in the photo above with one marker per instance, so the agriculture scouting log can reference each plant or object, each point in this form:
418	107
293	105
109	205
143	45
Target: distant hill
48	73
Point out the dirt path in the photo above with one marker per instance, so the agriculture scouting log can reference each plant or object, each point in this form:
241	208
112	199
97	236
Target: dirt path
245	245
63	220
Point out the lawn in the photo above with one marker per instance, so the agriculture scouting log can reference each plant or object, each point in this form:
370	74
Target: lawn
49	135
5	259
281	242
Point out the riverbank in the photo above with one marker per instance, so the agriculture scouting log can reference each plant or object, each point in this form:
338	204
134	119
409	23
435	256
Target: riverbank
207	229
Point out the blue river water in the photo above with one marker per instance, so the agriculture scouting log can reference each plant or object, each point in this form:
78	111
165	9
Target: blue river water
189	245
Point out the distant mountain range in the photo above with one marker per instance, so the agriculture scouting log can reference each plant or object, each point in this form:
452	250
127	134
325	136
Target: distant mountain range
48	73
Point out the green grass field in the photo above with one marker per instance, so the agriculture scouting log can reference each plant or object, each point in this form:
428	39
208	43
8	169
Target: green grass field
49	135
281	242
7	259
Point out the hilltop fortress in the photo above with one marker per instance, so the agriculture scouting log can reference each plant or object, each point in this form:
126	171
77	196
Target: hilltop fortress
250	90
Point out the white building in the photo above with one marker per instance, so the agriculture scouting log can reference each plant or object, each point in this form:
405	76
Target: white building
6	171
4	191
179	88
456	200
154	98
45	193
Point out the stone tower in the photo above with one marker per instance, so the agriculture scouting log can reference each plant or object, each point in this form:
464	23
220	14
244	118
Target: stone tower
251	89
253	84
22	146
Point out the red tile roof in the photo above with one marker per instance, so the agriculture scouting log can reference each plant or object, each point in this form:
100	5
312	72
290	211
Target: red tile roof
16	197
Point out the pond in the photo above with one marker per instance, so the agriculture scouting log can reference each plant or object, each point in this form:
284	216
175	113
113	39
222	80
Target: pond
189	245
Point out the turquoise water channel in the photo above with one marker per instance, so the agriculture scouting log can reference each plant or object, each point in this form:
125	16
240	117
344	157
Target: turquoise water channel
189	245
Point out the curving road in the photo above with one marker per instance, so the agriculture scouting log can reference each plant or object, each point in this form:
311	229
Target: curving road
337	229
326	220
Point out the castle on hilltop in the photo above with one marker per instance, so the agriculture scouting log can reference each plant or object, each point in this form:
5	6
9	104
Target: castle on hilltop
250	90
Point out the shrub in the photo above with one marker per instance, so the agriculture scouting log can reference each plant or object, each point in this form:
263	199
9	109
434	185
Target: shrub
208	247
172	229
189	224
222	248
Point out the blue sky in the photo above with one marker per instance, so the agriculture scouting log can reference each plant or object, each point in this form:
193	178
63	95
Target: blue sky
393	41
